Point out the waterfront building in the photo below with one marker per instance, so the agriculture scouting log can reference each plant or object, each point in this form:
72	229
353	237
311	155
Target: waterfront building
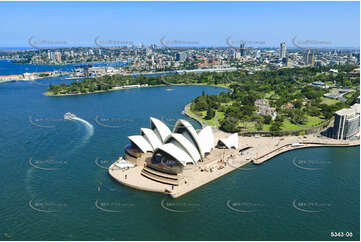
283	50
229	142
167	153
347	122
7	78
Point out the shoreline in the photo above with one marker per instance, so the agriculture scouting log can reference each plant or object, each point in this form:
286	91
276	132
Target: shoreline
48	94
306	146
259	150
190	115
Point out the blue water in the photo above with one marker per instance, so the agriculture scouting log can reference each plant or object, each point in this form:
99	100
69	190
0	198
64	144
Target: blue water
54	186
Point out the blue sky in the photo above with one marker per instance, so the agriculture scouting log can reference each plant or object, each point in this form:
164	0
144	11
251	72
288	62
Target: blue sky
207	23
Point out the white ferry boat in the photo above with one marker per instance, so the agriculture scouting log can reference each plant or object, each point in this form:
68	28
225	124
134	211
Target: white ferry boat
69	116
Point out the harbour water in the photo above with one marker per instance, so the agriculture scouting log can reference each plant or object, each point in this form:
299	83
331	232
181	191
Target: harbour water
55	184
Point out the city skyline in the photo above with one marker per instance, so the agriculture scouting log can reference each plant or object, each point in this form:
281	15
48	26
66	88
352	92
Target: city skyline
214	24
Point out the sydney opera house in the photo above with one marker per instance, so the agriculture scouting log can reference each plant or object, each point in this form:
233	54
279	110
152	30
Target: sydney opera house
164	154
177	161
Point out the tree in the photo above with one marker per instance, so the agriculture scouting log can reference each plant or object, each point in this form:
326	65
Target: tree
313	111
210	113
275	128
259	125
229	125
279	118
297	116
267	119
298	104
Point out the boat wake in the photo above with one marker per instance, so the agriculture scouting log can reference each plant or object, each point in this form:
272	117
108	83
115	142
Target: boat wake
88	126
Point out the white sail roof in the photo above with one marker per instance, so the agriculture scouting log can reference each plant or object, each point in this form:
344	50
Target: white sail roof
181	125
151	137
177	153
141	142
231	141
162	129
186	145
206	138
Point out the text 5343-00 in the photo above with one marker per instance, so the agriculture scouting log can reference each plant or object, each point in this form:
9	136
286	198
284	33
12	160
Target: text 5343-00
341	234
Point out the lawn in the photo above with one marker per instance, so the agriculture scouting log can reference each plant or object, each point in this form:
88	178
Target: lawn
310	122
269	94
329	101
213	121
202	114
287	125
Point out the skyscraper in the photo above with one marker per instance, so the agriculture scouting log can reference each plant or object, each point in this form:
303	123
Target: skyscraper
283	50
243	49
309	58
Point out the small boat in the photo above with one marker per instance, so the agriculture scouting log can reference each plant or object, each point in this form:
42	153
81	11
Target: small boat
69	116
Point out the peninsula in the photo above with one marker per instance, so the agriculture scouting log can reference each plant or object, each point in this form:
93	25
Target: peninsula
179	161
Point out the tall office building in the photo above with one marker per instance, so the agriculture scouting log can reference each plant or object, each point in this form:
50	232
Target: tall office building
283	50
243	49
347	122
310	58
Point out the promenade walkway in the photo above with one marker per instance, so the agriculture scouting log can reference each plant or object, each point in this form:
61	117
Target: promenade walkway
222	161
